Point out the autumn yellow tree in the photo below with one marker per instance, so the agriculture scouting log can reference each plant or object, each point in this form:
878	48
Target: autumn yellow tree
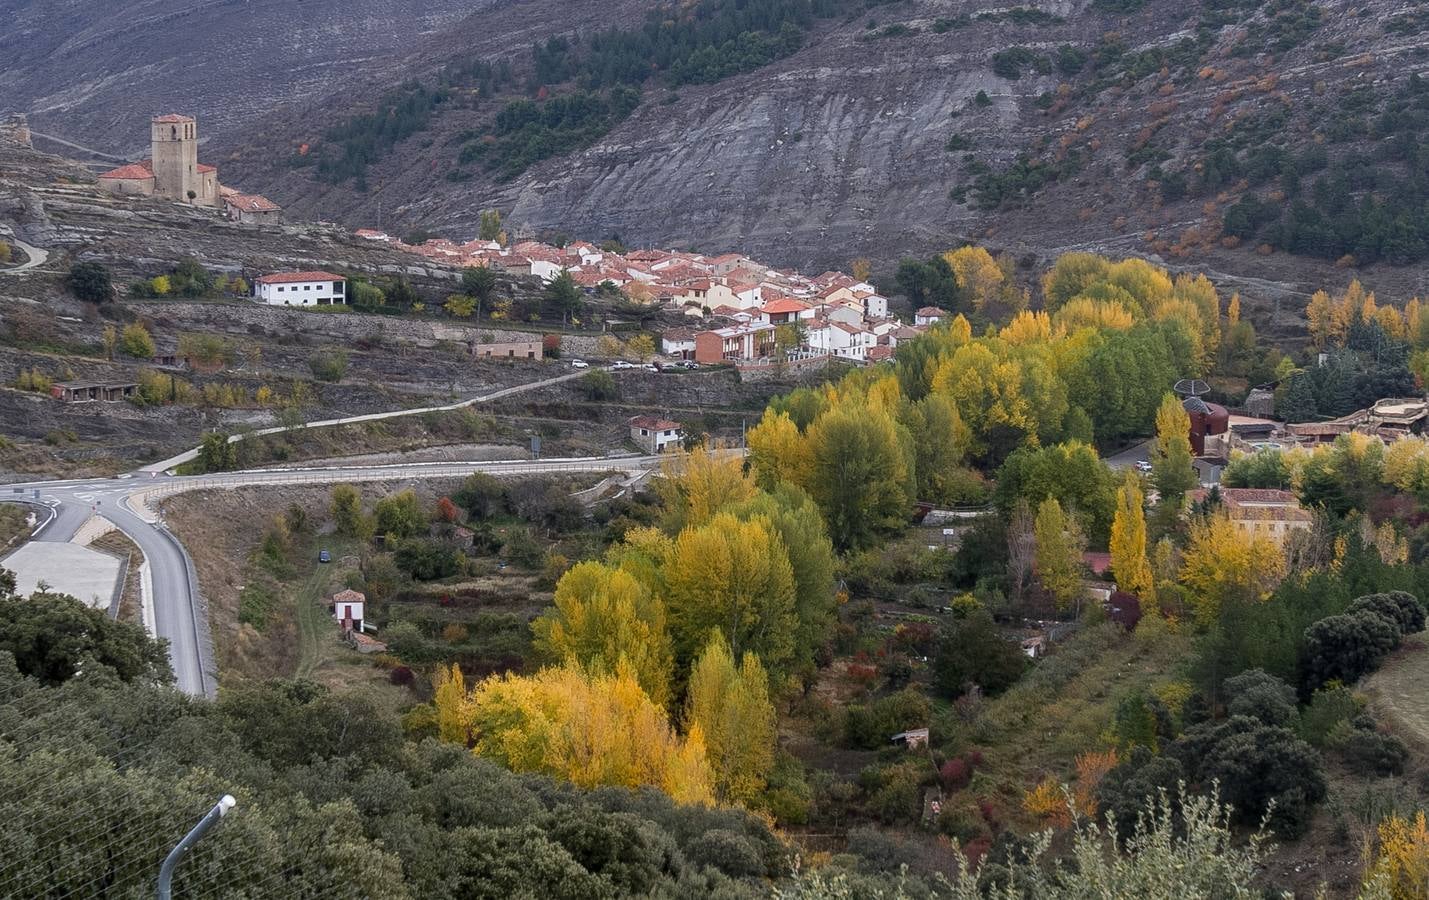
450	700
592	730
1172	468
1320	317
697	485
1233	310
604	616
730	705
1060	544
778	451
1223	562
1102	315
861	268
1402	860
978	274
732	576
1128	542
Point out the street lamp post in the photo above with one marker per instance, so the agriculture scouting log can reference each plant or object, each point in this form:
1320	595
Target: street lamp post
166	871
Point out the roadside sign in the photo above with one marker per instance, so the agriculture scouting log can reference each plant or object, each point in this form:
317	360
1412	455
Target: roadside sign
536	445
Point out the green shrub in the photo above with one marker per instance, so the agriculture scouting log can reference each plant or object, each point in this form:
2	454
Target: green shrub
329	364
1369	752
1328	707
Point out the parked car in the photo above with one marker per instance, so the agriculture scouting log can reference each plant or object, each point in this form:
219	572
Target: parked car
690	364
1143	466
324	556
622	364
579	364
650	367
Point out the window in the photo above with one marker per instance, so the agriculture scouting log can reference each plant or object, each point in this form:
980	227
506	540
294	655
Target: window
280	289
307	287
337	287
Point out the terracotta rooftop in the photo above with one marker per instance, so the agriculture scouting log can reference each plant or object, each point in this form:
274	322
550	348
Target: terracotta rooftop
172	119
932	311
292	277
653	423
138	170
783	306
252	203
1258	495
347	596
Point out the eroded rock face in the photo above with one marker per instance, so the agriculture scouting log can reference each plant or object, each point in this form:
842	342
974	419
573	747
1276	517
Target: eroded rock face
94	72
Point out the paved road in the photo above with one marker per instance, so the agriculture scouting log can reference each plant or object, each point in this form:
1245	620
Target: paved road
167	464
179	614
36	257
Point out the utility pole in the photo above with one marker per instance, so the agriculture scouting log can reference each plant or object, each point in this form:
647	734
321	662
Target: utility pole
176	855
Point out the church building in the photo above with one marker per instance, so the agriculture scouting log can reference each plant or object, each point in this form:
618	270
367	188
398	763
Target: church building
173	172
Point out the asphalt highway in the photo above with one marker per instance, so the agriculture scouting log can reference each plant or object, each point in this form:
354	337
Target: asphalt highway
179	613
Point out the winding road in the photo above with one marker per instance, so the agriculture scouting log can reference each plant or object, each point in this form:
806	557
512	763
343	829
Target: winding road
171	589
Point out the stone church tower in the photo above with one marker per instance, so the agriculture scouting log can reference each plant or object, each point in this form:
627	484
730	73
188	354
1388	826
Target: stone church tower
175	148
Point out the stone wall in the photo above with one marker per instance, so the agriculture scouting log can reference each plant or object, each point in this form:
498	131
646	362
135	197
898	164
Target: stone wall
343	327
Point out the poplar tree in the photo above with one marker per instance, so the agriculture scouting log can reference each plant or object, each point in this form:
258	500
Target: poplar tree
1128	542
1059	553
730	708
1171	461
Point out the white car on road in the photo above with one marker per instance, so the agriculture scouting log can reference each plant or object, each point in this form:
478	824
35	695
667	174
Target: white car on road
579	364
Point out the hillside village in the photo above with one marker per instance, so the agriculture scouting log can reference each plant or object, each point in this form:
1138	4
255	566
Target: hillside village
735	304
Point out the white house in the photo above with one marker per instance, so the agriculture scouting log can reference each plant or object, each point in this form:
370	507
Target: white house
928	315
347	608
654	434
875	306
301	289
679	343
840	339
546	269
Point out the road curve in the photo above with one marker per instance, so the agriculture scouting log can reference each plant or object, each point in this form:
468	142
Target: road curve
180	616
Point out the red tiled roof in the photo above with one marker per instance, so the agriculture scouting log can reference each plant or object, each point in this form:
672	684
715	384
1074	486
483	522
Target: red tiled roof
347	596
204	168
251	203
1258	495
291	277
931	311
878	353
653	423
172	119
136	171
784	305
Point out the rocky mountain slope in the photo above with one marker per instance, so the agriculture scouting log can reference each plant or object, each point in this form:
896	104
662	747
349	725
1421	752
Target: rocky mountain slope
93	72
915	124
1236	136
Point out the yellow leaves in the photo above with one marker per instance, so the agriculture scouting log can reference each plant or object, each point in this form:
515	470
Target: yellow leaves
1233	310
450	700
732	576
1102	315
1406	464
778	452
1227	560
1403	857
1320	315
978	274
698	484
1048	803
1028	328
604	617
960	329
1128	542
592	730
1092	767
729	707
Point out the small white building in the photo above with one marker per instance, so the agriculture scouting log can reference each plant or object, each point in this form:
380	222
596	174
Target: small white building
678	343
928	315
875	306
653	434
301	289
347	608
